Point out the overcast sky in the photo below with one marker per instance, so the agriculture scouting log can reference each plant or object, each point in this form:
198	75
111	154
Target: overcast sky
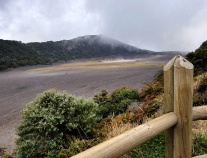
160	25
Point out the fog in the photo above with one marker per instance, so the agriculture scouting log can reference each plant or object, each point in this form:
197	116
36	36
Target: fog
161	25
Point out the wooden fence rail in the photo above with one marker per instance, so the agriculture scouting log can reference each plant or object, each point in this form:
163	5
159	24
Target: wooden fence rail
176	122
200	113
125	142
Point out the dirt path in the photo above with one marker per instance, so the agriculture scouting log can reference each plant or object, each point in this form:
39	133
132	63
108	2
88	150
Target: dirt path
20	86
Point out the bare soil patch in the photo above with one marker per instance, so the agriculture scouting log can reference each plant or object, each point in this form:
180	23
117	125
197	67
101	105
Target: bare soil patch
20	86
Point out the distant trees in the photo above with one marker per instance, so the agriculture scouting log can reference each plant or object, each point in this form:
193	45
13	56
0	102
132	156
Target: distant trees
198	59
16	53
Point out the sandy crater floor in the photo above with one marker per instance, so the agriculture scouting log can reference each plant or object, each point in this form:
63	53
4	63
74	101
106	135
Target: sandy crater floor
20	86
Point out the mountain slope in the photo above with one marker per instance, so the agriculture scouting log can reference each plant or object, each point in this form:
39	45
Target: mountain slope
15	53
198	59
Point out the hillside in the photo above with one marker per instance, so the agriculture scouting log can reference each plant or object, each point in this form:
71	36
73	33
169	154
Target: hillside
15	53
198	59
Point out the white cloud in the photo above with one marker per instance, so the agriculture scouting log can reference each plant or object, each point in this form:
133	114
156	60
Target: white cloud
155	25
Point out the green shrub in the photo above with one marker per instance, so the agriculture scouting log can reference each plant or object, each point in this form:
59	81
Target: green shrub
115	103
203	85
199	144
50	121
199	99
77	146
153	148
113	108
104	110
123	93
102	97
154	89
153	107
198	59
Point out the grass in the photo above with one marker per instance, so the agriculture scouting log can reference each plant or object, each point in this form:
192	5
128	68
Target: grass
200	90
155	147
200	126
199	144
3	154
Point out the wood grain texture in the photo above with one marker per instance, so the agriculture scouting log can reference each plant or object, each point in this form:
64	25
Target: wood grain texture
183	101
200	113
125	142
169	104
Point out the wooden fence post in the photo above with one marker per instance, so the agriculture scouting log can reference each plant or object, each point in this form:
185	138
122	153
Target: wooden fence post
169	104
178	93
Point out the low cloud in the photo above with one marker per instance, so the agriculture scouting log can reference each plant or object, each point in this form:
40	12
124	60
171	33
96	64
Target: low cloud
155	25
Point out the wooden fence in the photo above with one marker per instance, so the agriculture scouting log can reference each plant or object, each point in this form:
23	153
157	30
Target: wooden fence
176	122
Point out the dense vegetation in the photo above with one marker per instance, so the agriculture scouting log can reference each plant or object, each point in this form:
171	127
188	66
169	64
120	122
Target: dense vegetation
58	124
115	103
15	53
156	147
198	59
51	121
